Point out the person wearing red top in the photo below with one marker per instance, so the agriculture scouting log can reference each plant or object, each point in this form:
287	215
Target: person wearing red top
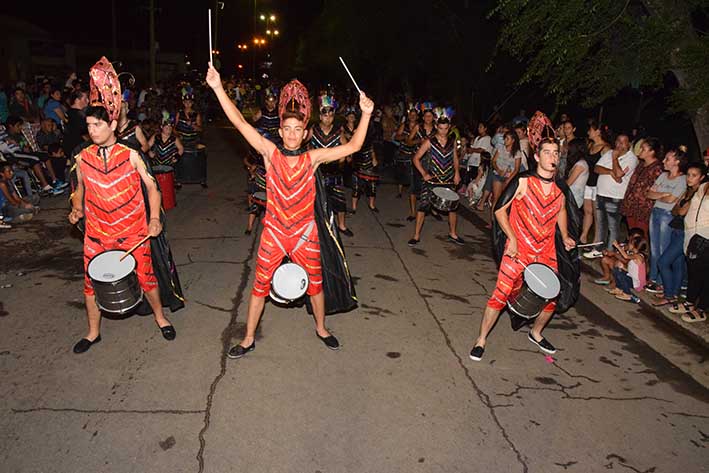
109	195
290	187
535	210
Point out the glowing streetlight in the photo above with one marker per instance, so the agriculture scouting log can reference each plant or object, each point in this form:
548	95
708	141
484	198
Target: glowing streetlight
262	17
276	32
272	17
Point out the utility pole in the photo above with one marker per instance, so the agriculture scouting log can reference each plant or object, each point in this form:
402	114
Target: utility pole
114	41
152	44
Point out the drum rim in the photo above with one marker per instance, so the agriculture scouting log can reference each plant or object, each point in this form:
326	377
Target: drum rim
305	289
558	281
162	169
446	189
123	311
130	257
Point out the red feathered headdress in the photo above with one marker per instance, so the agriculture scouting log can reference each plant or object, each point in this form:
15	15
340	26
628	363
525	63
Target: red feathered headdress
104	88
294	98
539	128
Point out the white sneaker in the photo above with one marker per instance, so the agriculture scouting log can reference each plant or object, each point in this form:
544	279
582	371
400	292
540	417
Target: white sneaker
593	254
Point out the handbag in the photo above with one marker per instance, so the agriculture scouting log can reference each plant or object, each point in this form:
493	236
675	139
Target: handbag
698	245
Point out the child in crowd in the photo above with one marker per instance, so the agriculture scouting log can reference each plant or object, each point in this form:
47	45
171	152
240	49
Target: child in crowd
13	207
631	274
611	257
477	186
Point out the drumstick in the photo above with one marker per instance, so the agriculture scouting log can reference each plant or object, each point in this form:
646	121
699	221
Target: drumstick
595	243
134	248
209	21
349	73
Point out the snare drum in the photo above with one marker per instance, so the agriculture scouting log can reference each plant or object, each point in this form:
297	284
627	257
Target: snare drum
115	282
541	285
259	198
444	199
165	175
289	283
367	174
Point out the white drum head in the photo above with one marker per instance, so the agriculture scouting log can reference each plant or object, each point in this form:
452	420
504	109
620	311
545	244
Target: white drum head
290	281
162	169
106	267
542	280
446	194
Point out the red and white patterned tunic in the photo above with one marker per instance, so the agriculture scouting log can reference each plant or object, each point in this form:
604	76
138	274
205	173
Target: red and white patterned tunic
533	220
114	207
290	217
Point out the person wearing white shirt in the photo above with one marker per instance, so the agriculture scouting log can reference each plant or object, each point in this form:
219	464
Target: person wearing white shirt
481	144
614	170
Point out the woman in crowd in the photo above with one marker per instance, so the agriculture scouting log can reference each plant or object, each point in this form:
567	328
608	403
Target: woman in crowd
672	264
576	153
666	191
505	164
54	109
481	144
599	139
165	147
696	243
636	205
188	122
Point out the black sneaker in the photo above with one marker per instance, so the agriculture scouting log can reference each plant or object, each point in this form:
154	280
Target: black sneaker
330	341
237	351
476	354
347	232
413	242
374	209
654	288
457	240
543	344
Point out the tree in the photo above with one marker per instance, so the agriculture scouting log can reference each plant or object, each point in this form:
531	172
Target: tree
591	50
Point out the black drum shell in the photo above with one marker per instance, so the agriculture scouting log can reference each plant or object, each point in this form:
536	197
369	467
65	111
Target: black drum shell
118	297
191	168
526	303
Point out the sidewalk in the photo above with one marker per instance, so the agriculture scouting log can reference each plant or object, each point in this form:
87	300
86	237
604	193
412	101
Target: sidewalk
663	332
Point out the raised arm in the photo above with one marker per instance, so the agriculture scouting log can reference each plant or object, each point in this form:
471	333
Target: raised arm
252	136
326	155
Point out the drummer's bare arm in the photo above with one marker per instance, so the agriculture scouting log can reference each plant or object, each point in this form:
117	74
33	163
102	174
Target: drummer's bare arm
198	122
456	167
423	149
400	133
154	198
562	221
326	155
178	145
77	197
411	140
140	136
261	144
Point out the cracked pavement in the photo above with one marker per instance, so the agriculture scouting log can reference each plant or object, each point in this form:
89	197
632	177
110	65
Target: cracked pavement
401	396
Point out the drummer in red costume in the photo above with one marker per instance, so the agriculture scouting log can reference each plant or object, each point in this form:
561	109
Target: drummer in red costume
109	195
290	215
535	209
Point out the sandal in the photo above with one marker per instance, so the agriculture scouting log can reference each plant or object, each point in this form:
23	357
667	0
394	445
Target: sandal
663	301
614	291
694	316
683	308
623	296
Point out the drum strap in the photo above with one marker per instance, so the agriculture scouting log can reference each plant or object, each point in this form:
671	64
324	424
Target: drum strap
303	237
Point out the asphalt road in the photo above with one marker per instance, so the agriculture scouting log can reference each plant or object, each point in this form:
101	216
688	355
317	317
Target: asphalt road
401	396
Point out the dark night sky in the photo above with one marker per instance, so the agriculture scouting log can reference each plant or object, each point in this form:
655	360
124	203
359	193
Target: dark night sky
179	29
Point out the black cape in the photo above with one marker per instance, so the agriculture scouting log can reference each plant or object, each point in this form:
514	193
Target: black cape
338	285
164	267
568	261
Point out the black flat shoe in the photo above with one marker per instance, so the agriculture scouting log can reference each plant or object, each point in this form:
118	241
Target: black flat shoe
374	209
84	344
410	218
168	332
237	351
247	232
346	232
413	242
330	341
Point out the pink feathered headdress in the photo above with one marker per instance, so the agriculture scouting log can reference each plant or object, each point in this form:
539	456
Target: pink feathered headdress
104	88
294	98
539	128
